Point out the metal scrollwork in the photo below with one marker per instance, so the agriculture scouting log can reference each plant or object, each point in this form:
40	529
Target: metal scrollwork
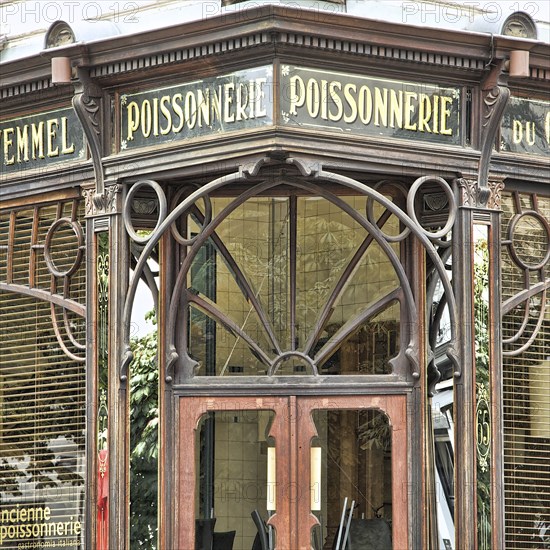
531	257
483	427
127	209
313	175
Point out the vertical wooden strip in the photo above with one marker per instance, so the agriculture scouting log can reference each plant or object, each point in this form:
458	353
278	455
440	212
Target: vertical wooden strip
11	240
34	242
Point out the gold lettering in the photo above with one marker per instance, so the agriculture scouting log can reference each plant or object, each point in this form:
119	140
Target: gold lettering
297	94
313	98
517	131
251	100
242	101
228	116
381	109
23	143
204	106
166	114
424	113
435	127
446	101
409	111
217	102
530	133
176	105
155	116
365	104
37	140
396	109
190	107
146	118
52	125
65	148
7	144
335	85
133	120
324	100
260	109
350	98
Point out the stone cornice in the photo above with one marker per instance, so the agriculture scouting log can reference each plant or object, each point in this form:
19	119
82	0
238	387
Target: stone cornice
273	26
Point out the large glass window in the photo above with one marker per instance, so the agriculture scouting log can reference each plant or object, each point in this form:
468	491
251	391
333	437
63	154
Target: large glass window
292	275
42	378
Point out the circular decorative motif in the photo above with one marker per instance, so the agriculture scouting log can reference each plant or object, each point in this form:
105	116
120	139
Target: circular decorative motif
450	198
370	212
533	253
57	257
127	214
207	219
520	25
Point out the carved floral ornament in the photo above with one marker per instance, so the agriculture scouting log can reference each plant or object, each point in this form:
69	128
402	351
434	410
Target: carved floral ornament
107	206
311	176
470	193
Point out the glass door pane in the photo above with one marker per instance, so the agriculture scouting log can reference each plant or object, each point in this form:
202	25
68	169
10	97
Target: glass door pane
351	479
234	456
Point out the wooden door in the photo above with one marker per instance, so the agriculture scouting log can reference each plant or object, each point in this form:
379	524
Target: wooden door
360	453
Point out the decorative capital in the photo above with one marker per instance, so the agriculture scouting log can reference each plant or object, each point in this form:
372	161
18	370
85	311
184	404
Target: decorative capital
468	192
106	204
495	198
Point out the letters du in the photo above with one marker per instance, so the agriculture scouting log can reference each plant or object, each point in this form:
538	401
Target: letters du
526	131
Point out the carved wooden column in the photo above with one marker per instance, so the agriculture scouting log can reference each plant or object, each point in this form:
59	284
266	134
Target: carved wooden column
479	513
107	282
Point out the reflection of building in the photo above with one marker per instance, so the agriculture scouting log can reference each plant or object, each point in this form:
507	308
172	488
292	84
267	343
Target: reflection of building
344	226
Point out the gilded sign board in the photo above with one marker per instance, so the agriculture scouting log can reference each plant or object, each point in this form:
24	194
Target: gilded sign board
40	139
38	527
526	127
235	101
363	105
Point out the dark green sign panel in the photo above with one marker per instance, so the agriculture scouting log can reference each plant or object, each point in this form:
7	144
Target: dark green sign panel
363	105
39	140
526	127
235	101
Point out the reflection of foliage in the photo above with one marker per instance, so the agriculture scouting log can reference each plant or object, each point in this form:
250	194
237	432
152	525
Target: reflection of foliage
375	432
481	326
35	449
481	318
144	441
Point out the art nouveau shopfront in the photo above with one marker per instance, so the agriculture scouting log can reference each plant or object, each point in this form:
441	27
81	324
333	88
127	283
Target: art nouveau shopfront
346	242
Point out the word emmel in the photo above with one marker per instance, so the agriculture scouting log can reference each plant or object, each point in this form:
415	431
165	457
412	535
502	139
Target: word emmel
21	143
371	104
40	139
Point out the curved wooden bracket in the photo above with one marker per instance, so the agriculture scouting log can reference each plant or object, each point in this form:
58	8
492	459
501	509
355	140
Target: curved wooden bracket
88	105
495	94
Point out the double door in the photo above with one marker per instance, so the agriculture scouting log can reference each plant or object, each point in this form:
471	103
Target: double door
315	469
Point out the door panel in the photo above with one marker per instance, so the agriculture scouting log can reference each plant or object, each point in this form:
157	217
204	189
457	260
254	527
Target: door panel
358	454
